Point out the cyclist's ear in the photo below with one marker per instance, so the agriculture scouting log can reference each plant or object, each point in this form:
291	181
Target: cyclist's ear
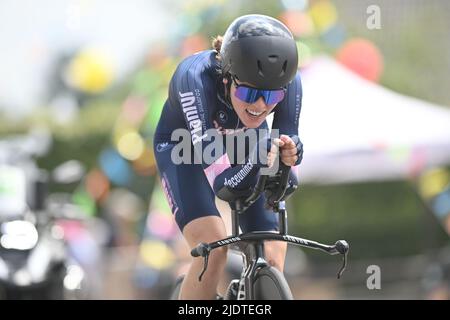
226	79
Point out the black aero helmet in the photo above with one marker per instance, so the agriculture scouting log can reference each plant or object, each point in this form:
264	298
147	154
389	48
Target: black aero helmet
259	50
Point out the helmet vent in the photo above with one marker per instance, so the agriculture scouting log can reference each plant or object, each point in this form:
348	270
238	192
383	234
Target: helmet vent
273	58
283	69
260	70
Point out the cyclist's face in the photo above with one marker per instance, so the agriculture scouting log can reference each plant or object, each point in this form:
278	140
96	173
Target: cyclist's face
252	115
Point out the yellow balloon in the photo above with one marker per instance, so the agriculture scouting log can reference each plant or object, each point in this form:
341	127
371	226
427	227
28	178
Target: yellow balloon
324	15
131	145
157	254
90	71
433	181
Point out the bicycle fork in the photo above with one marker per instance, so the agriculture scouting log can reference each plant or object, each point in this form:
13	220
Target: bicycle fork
253	256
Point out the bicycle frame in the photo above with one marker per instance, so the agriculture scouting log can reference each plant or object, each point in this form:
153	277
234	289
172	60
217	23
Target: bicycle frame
251	244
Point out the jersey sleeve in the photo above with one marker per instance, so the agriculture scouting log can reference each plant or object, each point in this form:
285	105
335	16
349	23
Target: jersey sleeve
287	113
286	117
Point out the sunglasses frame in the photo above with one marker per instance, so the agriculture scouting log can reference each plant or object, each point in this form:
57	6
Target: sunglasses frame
284	89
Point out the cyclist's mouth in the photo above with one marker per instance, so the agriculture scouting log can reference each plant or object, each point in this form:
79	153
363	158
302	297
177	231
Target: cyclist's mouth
254	114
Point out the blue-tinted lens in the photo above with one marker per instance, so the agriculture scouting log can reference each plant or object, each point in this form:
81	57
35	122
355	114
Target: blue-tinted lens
246	94
251	95
272	96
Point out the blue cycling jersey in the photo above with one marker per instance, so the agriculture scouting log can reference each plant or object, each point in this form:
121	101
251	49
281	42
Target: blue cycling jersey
197	103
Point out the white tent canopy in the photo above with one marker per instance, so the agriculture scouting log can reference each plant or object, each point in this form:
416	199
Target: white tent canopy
356	130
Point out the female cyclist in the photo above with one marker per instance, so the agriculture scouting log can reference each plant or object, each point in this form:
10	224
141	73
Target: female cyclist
230	90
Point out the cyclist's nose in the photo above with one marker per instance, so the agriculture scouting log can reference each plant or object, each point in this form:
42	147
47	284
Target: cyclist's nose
261	103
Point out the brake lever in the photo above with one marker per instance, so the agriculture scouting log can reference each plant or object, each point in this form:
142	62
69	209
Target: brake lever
344	265
202	250
205	266
342	247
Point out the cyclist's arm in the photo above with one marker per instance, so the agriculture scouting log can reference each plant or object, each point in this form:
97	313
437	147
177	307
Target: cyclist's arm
243	176
194	97
287	112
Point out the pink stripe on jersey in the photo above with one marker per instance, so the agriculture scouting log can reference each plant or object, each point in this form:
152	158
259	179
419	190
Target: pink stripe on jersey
216	168
168	192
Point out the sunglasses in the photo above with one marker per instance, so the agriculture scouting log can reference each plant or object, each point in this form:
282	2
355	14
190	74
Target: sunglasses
250	95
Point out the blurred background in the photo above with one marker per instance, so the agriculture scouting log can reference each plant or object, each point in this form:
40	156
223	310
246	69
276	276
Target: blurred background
82	84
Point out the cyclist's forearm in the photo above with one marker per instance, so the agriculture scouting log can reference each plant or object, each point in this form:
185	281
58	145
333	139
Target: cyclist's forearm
239	177
244	175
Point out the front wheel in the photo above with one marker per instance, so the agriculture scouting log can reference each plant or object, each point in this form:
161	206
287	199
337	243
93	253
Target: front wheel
270	284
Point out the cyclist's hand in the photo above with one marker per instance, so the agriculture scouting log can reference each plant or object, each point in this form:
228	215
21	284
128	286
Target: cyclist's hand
274	151
289	151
